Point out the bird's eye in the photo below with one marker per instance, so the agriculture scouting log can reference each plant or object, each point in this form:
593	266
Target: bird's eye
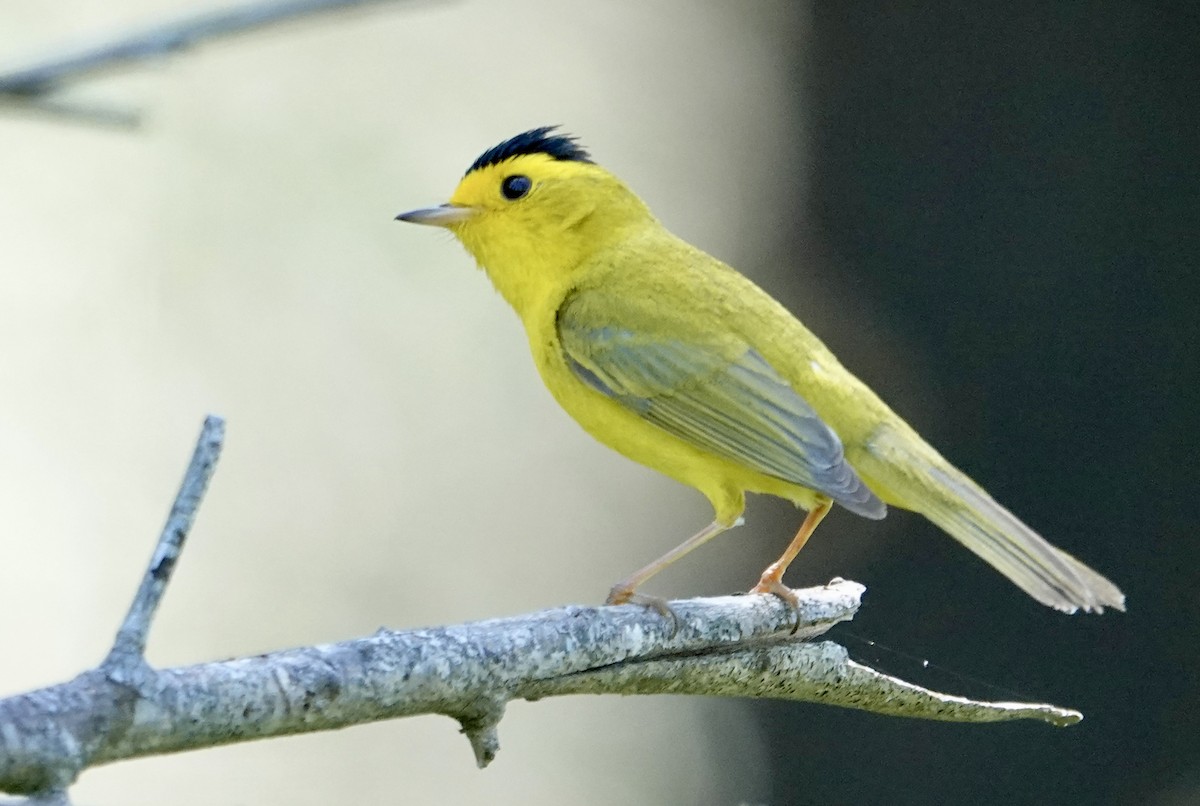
514	187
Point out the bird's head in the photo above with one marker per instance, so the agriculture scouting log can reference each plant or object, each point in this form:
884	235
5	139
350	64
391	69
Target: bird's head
532	209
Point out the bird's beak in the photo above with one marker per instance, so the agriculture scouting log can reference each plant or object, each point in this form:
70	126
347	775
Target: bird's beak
446	215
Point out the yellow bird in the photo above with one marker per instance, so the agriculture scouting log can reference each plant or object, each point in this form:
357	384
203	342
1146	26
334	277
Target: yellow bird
677	361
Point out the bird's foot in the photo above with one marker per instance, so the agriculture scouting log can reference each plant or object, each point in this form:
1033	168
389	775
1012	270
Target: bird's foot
622	594
774	586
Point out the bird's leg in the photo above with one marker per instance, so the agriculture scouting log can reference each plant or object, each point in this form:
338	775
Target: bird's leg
772	577
624	591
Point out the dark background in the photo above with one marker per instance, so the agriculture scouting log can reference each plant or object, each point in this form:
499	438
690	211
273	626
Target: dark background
1015	193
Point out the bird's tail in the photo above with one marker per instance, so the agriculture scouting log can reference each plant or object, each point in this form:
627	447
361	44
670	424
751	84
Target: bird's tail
920	479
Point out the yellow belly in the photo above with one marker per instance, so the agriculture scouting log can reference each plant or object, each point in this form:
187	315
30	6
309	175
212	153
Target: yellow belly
722	481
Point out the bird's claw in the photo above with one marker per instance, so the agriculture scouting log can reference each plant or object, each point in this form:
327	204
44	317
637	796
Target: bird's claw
620	595
775	587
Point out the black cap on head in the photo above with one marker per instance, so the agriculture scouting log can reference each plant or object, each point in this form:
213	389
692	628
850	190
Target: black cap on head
535	141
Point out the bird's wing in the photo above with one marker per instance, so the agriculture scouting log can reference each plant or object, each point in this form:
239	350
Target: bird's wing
710	388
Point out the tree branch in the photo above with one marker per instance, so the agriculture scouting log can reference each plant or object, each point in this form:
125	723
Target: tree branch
726	646
128	653
29	86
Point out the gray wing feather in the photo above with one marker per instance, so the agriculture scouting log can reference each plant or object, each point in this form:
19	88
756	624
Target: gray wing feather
730	402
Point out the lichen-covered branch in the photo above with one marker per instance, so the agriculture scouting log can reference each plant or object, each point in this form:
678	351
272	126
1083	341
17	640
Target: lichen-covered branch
739	646
820	672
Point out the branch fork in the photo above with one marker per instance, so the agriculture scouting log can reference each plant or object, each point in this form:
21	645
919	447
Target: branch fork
739	646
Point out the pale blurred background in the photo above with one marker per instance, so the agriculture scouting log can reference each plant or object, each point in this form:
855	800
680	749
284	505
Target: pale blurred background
990	216
392	457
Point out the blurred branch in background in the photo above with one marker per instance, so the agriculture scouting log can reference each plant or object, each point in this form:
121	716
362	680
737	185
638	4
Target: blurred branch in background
742	646
33	87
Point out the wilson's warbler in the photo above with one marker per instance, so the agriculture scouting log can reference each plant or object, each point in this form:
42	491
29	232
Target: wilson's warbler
677	361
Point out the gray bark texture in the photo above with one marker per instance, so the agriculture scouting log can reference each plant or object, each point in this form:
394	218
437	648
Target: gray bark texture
733	646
